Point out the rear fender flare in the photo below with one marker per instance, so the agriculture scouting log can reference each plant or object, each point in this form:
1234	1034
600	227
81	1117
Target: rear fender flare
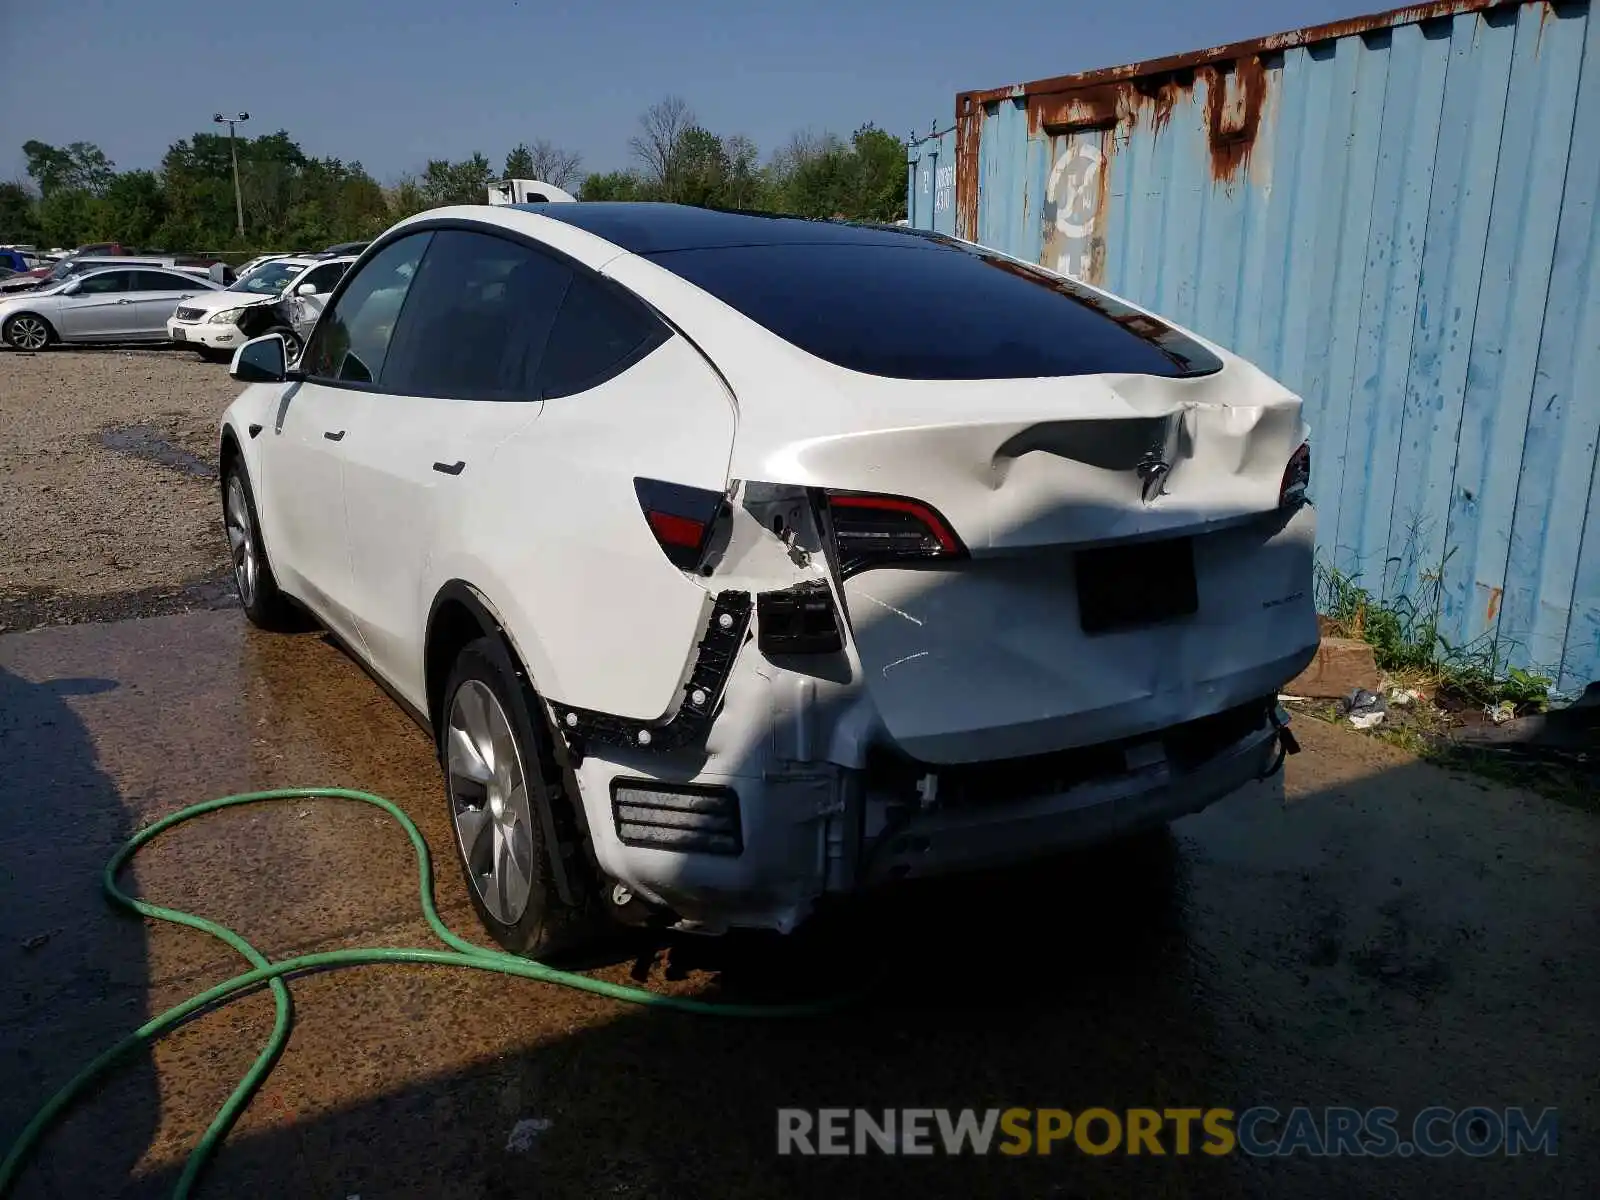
461	592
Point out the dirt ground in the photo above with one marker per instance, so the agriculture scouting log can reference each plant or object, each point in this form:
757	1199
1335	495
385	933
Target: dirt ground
1367	931
108	500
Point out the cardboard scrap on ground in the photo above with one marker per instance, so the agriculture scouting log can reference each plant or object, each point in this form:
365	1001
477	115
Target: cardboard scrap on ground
1342	665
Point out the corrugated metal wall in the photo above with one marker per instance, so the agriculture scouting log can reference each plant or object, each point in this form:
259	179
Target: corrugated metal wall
1396	216
931	182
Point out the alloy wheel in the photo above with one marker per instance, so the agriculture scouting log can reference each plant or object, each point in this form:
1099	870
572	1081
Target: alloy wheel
241	540
29	333
489	801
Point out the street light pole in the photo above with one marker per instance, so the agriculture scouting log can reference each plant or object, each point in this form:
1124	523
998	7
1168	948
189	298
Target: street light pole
233	150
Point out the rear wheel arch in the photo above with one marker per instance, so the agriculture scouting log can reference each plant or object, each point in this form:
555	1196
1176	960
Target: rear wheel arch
456	618
228	452
459	616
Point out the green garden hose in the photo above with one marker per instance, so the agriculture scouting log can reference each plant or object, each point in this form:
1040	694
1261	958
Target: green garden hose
462	953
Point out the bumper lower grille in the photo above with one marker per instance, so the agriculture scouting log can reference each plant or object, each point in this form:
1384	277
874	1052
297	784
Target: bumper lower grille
1187	747
665	817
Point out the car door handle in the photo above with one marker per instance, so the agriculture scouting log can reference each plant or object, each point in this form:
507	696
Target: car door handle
334	437
124	301
449	468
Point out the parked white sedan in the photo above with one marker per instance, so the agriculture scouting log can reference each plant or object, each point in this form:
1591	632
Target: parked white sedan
121	304
720	595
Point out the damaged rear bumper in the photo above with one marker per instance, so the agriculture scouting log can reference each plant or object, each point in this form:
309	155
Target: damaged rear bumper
975	837
827	829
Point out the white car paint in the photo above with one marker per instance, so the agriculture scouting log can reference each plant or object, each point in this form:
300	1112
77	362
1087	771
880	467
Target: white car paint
977	661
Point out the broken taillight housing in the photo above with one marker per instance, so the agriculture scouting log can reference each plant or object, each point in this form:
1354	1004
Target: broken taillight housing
798	620
1296	478
681	518
871	530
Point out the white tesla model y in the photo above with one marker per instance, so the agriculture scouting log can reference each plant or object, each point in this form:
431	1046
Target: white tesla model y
736	561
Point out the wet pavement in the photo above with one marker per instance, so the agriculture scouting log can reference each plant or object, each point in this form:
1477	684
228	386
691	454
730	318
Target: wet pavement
152	445
1371	931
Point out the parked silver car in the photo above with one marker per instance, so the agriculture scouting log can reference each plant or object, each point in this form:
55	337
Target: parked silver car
69	267
120	304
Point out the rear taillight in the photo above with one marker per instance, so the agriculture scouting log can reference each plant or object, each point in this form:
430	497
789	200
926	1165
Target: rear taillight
1296	478
871	531
680	517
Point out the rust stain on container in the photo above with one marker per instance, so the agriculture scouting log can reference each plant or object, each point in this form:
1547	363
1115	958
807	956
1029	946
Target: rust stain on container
1547	9
1234	100
1109	104
1236	95
1164	96
1255	47
969	136
1495	596
1082	108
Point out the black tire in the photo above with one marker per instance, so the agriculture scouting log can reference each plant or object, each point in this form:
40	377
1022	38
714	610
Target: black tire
547	925
263	603
12	331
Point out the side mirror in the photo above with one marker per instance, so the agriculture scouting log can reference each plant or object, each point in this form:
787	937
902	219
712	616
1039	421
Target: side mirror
73	287
306	289
261	360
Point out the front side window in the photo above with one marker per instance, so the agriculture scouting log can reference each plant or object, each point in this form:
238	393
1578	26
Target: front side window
352	340
477	319
109	281
323	278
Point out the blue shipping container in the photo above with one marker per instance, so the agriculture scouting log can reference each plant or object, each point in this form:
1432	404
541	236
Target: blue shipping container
1399	217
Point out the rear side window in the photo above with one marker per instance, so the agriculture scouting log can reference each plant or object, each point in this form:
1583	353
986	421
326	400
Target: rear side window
160	281
599	334
933	309
476	322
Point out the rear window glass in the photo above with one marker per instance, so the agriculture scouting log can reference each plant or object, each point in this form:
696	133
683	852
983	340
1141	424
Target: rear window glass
935	310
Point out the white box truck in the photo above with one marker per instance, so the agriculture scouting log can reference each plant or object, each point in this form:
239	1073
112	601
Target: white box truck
528	191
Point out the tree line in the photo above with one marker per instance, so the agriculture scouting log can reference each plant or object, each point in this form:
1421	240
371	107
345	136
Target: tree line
74	194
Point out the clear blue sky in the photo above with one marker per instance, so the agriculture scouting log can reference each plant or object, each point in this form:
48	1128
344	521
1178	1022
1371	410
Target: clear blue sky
395	82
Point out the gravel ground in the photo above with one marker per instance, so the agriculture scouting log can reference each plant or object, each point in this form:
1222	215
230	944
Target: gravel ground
91	531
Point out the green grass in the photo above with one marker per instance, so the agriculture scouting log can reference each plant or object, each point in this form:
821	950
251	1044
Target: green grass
1405	639
1407	645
